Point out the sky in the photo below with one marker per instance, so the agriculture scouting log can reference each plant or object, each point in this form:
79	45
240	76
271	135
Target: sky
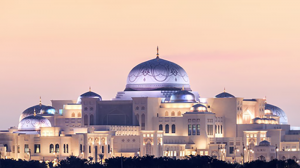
57	49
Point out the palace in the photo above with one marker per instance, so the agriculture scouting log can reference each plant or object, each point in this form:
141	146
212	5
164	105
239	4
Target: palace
157	114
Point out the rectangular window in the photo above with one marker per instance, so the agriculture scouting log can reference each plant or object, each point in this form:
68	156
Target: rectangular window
81	148
26	148
90	149
102	149
37	148
18	149
108	148
231	150
210	129
194	129
190	129
13	149
198	129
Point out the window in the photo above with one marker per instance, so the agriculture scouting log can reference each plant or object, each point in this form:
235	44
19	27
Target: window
190	129
210	129
51	148
37	148
18	149
73	115
26	148
218	129
91	119
66	148
137	108
108	148
173	114
90	149
198	129
85	109
6	147
194	129
57	148
143	108
160	127
231	150
178	113
221	129
166	114
13	149
167	128
102	149
91	108
79	115
80	147
143	121
173	128
85	120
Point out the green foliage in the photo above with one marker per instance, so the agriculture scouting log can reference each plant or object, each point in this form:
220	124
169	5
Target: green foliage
149	162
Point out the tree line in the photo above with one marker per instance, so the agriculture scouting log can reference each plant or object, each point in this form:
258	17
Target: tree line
148	162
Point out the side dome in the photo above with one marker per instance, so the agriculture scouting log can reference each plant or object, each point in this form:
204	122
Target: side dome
182	96
224	95
89	94
198	108
264	143
33	123
40	109
157	74
277	111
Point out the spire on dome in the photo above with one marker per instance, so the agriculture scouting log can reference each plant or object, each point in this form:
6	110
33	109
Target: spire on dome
90	89
224	90
157	54
40	101
34	113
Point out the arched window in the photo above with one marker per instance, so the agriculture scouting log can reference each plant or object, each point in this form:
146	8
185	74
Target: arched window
166	114
91	108
173	113
137	108
79	115
221	129
178	113
67	148
216	129
160	127
91	119
51	148
173	128
143	121
143	108
167	128
85	109
85	119
56	148
73	115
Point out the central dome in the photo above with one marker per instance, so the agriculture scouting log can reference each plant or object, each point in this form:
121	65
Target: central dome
157	74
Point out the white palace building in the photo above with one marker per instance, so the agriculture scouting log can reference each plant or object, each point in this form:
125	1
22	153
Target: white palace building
157	114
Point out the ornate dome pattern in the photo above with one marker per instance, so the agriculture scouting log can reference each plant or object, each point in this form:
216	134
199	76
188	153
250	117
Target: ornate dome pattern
264	143
277	111
157	74
88	94
40	109
199	108
182	96
33	123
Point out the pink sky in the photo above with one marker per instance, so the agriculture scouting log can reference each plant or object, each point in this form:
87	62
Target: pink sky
57	49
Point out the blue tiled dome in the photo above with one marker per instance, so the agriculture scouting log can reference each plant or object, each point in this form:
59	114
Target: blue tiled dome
182	96
40	109
264	143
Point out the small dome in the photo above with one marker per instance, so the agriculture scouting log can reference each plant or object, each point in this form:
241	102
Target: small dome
88	94
199	108
277	111
224	95
40	109
182	96
33	123
264	143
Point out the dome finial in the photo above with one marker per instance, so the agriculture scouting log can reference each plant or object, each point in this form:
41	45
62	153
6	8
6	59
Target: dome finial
224	90
182	87
90	89
265	98
40	101
34	113
157	54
